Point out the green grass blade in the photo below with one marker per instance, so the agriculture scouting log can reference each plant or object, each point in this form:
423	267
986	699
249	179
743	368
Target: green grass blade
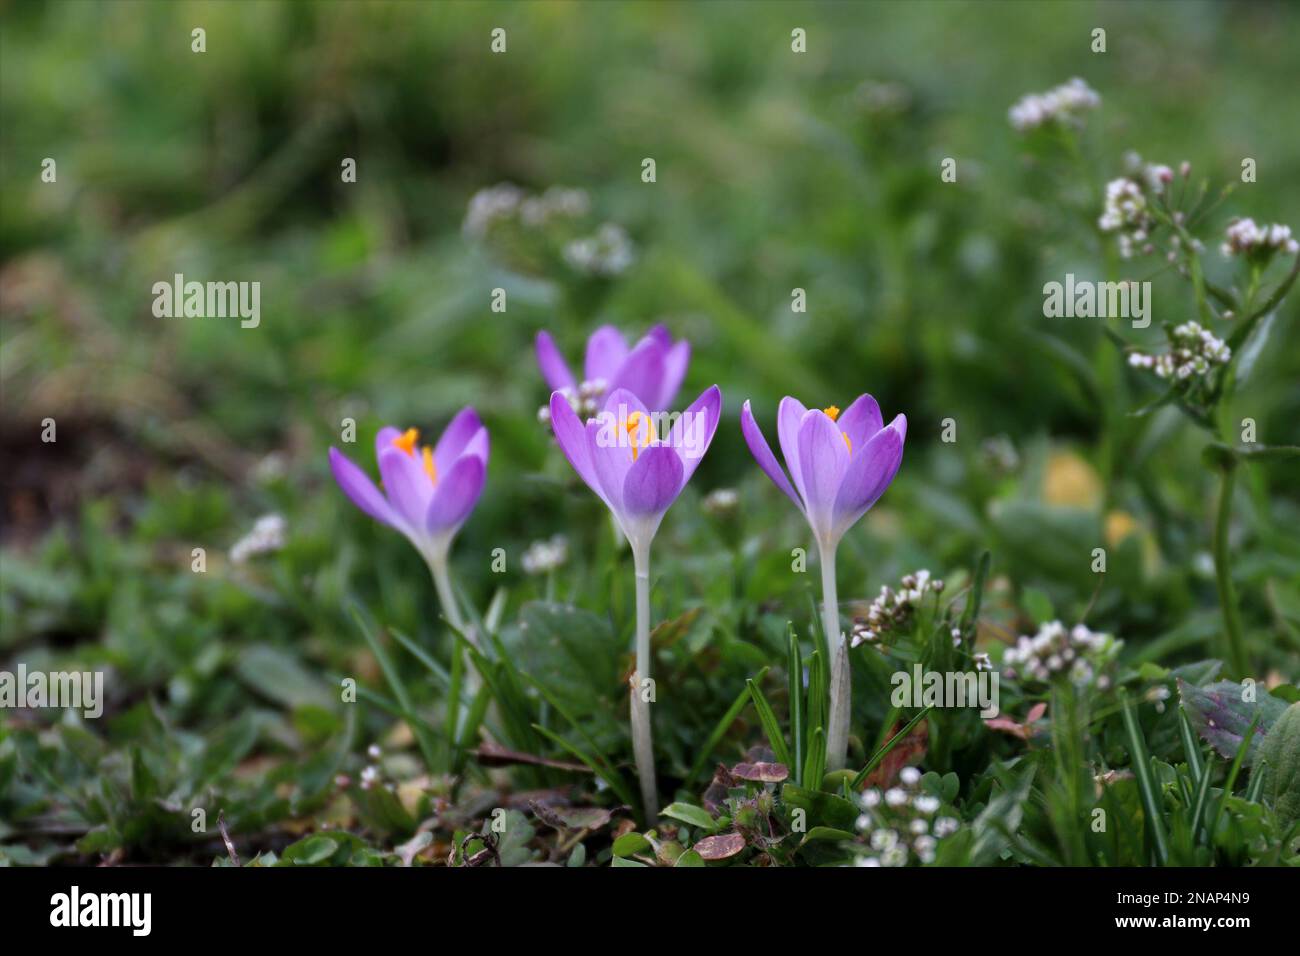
609	775
770	726
885	748
1190	746
1151	805
794	665
1202	797
815	765
418	727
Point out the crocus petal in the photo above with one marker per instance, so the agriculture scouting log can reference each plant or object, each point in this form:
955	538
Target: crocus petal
571	435
861	420
407	486
455	496
693	432
356	484
660	332
610	446
653	482
606	351
676	359
551	362
762	453
385	438
643	371
460	431
823	458
789	415
870	471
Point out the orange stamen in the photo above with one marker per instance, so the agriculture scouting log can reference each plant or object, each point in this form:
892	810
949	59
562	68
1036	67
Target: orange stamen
430	468
832	413
406	441
633	426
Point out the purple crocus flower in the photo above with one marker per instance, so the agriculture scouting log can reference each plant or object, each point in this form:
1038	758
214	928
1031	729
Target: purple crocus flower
840	465
623	459
638	461
652	370
428	493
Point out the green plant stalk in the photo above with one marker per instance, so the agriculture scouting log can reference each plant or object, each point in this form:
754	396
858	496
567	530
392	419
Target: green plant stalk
837	730
642	741
1223	569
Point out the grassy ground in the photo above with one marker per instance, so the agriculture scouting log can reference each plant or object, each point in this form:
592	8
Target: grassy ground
775	171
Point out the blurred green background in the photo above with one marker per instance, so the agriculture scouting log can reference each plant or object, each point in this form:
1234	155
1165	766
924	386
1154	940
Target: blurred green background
775	171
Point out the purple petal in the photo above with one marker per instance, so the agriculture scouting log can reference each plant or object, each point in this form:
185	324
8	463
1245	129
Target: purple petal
571	435
653	482
406	484
606	350
643	371
861	420
356	484
823	459
551	362
660	332
762	453
455	495
609	445
870	471
789	415
676	359
385	439
693	432
455	439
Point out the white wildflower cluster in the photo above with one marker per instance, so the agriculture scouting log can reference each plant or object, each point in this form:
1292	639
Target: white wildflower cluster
1064	104
585	400
1057	650
1154	176
608	252
267	536
371	775
1195	351
721	501
1125	211
900	824
543	557
507	202
1245	238
891	610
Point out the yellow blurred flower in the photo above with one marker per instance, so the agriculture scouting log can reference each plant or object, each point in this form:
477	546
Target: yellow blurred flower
1071	481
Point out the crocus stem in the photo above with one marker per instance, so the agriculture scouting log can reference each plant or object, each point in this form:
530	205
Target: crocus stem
642	741
446	596
837	733
1223	570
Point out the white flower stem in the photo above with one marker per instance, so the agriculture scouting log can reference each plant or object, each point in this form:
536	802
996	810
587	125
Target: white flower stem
446	596
642	741
837	663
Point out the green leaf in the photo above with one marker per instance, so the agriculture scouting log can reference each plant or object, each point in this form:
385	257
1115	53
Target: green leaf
1002	816
1281	754
822	808
690	814
630	843
312	851
1220	714
281	677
